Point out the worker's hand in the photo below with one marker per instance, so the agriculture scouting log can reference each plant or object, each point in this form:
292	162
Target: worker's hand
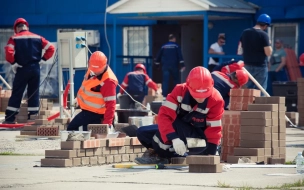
182	69
118	95
179	146
75	103
15	67
111	129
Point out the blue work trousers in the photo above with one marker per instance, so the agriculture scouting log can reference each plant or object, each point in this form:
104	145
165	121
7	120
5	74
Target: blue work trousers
260	74
167	72
145	135
28	75
84	118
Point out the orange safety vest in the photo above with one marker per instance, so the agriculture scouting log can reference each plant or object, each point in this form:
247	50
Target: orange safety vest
90	100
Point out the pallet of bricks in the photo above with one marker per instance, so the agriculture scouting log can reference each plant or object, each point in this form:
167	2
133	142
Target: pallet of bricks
41	126
300	85
94	152
263	132
239	101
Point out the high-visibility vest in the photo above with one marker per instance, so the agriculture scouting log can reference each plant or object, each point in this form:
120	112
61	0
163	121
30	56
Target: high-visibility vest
90	100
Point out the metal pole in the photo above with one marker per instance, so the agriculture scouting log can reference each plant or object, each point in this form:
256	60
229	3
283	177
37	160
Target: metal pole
113	66
71	73
205	64
60	81
6	84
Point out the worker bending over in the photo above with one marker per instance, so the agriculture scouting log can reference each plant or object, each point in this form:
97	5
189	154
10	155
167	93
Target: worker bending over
134	83
229	67
97	94
189	120
24	52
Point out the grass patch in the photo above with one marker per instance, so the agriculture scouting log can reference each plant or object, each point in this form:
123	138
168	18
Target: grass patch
15	154
289	163
223	185
299	183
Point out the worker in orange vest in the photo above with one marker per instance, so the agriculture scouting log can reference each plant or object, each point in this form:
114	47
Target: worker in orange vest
97	95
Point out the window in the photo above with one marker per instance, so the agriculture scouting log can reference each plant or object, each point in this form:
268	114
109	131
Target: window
5	34
288	33
135	43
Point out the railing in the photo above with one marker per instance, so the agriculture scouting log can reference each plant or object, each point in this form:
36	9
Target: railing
130	60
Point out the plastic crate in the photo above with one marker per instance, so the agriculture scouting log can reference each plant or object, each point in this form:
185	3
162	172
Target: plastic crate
285	89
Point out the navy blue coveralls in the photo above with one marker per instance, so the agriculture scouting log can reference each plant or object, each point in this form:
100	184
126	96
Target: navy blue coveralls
223	87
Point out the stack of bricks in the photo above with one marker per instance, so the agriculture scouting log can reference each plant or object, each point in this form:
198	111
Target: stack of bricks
41	126
241	98
263	132
22	116
300	84
230	133
94	152
204	164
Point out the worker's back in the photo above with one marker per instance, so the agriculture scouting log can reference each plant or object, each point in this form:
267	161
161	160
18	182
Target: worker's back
253	43
136	82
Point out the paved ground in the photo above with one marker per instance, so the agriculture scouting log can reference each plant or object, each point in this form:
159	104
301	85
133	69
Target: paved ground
18	172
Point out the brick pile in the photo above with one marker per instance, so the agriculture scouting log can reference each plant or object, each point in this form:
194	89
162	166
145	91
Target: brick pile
263	132
43	127
94	152
204	164
241	98
300	84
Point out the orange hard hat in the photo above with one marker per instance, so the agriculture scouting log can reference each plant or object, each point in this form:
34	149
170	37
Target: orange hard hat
97	62
302	59
199	82
19	21
140	66
242	77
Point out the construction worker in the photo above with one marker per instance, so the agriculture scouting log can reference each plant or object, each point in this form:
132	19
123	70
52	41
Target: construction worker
216	49
255	47
171	59
224	82
229	67
189	119
24	52
134	83
97	95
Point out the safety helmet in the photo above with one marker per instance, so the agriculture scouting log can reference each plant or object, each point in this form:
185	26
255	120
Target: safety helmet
140	66
18	21
242	77
264	18
199	82
97	62
302	59
241	63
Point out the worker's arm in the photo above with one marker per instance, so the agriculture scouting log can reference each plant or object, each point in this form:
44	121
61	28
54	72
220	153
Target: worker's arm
150	83
266	44
49	49
108	91
10	51
158	57
167	115
124	84
283	62
212	51
213	131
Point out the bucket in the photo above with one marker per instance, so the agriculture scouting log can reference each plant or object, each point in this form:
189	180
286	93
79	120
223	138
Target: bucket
64	134
141	121
155	105
124	101
124	114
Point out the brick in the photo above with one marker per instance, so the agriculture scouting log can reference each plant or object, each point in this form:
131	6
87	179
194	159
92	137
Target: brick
89	152
274	129
257	122
101	160
129	149
31	128
255	129
282	126
281	115
50	162
263	107
117	158
70	145
98	128
80	153
274	143
47	131
136	149
275	151
114	142
132	157
109	159
256	114
135	141
127	141
252	136
60	153
85	161
282	136
245	92
41	121
274	136
30	133
61	120
97	151
206	168
270	100
93	160
255	144
125	157
86	144
121	150
267	152
76	162
113	150
282	150
119	126
202	160
248	151
103	142
276	160
105	150
282	143
44	112
178	160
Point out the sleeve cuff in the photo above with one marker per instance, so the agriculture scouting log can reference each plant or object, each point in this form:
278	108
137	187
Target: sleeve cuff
43	59
182	64
172	136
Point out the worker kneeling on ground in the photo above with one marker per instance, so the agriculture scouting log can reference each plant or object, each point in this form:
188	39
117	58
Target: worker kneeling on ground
189	120
134	83
97	94
224	82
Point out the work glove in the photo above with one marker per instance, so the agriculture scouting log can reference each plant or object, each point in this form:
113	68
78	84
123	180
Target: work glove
179	146
15	67
158	92
111	129
118	95
75	103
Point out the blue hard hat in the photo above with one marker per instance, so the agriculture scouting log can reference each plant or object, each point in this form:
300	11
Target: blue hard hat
264	18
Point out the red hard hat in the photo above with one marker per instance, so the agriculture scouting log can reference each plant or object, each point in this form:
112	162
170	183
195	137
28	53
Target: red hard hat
97	62
140	66
199	82
302	58
18	21
242	77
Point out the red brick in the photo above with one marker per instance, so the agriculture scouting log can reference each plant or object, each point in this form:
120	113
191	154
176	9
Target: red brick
230	135
86	144
97	143
114	142
230	142
236	142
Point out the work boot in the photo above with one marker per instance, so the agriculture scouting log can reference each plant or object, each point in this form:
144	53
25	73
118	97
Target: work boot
9	122
150	157
75	137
